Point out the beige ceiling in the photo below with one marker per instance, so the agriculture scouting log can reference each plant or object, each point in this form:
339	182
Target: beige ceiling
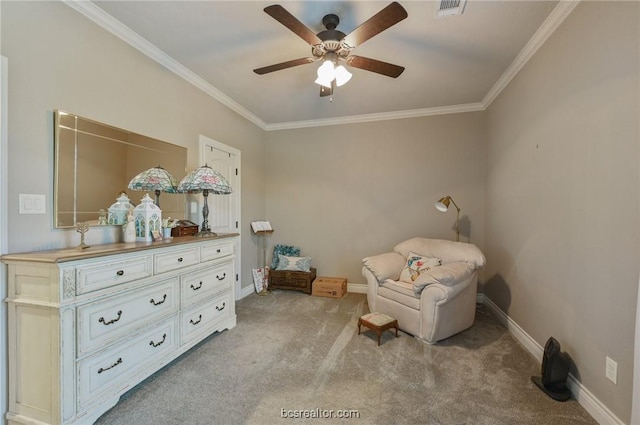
452	64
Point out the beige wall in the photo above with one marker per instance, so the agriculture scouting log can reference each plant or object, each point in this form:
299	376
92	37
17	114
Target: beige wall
344	192
60	60
562	234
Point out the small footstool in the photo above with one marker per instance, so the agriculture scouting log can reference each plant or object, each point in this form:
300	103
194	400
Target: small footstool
378	323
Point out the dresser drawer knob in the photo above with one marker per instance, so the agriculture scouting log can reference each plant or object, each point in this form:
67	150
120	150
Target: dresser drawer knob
197	321
164	298
104	369
221	308
101	320
199	286
218	250
120	272
153	344
223	276
180	260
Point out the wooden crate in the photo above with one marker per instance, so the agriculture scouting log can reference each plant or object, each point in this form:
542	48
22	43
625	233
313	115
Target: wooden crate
287	279
332	287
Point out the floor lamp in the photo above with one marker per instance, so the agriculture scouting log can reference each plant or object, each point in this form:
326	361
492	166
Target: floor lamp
443	205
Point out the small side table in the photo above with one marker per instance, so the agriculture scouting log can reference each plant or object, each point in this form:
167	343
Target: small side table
378	323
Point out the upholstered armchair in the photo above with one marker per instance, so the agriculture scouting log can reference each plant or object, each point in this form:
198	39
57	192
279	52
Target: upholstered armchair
428	285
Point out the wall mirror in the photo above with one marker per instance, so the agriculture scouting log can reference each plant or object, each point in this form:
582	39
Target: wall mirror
94	163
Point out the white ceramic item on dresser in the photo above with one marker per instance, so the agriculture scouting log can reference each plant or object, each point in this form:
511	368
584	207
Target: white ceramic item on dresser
87	325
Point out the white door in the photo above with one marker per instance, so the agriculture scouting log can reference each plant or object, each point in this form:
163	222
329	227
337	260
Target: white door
224	210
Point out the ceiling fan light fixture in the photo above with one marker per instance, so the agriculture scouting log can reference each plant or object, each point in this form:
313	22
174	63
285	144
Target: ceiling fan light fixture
326	74
327	71
325	82
342	75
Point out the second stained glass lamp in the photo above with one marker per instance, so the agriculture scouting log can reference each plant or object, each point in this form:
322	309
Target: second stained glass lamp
205	180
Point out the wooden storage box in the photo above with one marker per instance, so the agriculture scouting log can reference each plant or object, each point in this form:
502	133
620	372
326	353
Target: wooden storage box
287	279
184	228
332	287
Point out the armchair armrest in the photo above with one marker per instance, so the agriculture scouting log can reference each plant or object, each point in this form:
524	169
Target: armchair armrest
449	274
385	266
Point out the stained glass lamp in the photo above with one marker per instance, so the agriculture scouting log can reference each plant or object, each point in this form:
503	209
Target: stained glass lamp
205	180
156	180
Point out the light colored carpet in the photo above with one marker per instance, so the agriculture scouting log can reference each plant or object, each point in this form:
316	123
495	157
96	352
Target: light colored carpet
293	351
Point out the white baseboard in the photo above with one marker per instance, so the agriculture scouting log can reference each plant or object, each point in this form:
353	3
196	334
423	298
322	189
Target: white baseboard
591	404
357	288
246	291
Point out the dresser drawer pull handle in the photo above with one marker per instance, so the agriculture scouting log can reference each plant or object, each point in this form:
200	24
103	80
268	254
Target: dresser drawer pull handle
224	275
104	369
194	288
180	260
153	344
101	320
164	298
197	321
218	250
120	272
221	308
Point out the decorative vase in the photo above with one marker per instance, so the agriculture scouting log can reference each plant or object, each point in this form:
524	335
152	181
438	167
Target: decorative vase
129	230
166	232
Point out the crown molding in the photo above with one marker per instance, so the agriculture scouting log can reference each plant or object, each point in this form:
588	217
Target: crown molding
395	115
117	28
553	21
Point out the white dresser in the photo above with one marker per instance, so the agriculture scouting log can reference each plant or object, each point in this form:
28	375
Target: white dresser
85	326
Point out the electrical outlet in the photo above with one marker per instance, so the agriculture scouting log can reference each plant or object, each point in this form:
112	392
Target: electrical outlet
611	370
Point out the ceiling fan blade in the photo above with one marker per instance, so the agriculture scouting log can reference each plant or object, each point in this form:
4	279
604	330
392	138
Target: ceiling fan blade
326	91
387	17
281	15
374	65
283	65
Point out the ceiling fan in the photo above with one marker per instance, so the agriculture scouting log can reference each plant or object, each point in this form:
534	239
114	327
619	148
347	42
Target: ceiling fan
333	46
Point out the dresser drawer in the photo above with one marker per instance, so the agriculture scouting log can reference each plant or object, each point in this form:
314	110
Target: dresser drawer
119	367
204	317
211	252
202	284
176	259
91	277
102	321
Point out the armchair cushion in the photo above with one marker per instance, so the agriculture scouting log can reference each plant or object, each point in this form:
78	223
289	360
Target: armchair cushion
447	274
447	251
416	265
385	266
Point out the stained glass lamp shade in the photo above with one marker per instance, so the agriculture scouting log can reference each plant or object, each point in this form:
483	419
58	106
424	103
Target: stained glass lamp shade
156	180
205	180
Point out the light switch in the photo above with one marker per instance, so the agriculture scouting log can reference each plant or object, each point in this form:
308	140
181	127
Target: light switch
194	207
32	204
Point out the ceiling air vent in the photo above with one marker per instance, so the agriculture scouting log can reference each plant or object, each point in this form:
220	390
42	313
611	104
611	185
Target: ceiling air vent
450	7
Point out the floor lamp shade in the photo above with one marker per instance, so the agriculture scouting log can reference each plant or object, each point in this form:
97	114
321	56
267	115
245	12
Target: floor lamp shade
205	180
443	205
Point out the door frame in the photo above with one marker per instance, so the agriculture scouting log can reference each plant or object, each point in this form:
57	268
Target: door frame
203	142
